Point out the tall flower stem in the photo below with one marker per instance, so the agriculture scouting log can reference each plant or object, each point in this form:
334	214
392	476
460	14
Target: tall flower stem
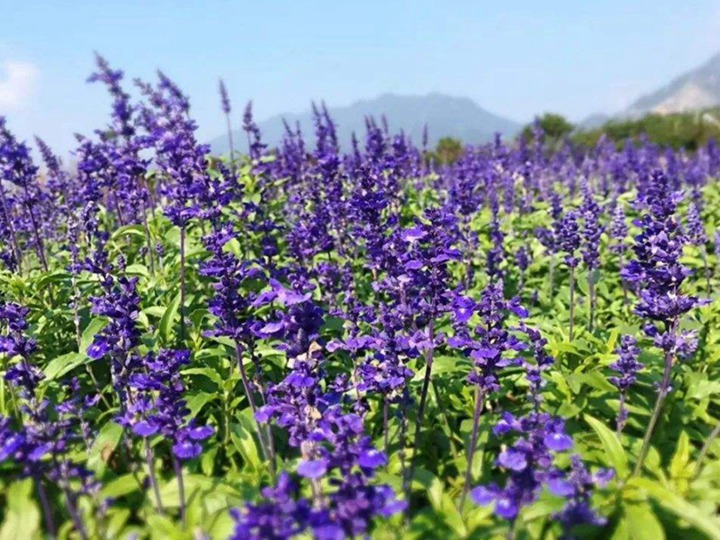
706	267
253	407
74	515
47	509
153	479
620	423
421	410
479	399
662	394
572	301
591	299
385	407
181	489
621	264
230	145
182	283
445	419
38	240
403	436
148	239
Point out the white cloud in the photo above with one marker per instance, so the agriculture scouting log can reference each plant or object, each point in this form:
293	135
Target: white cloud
17	83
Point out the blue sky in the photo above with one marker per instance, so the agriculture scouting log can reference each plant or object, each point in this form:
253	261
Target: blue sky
514	58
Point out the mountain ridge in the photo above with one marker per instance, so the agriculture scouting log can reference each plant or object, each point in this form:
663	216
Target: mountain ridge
445	115
695	89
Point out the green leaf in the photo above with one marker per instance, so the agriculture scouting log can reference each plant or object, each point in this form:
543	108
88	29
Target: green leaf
162	528
120	486
155	311
452	516
137	270
134	230
614	450
679	506
210	373
430	485
244	441
682	456
196	402
104	447
22	518
88	334
223	526
117	518
165	326
57	367
642	522
621	531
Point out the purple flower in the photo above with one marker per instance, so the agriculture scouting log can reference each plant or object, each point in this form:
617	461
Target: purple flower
591	229
158	405
656	269
695	229
224	98
627	368
567	231
618	230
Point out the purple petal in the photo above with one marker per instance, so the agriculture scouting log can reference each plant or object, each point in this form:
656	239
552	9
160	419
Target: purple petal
187	450
393	508
558	442
329	532
201	433
485	352
312	469
560	487
263	414
39	452
272	328
98	349
290	298
513	459
145	429
372	459
506	508
482	495
413	234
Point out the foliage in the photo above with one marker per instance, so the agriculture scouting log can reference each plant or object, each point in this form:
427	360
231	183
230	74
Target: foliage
688	131
553	128
447	151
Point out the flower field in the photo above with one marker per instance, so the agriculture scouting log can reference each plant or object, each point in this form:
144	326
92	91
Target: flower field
316	342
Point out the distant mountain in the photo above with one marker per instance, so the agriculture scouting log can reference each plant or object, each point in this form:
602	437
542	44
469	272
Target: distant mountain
444	115
593	121
694	90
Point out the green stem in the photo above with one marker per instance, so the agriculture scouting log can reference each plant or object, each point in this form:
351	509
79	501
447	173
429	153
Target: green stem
572	301
706	449
662	394
479	398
